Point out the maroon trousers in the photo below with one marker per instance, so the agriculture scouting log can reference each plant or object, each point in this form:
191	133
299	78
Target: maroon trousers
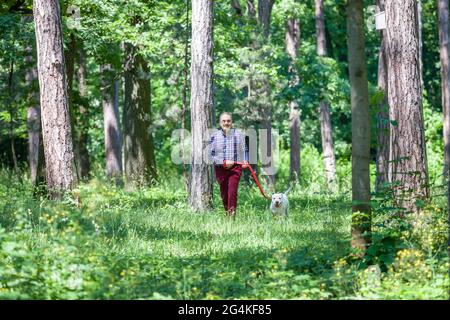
228	180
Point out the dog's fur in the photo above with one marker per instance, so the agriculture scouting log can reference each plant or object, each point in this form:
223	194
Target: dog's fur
280	204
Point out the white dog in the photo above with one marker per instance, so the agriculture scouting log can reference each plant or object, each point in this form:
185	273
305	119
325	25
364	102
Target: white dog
280	204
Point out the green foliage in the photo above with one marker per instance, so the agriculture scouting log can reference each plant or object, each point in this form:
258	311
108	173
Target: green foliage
116	245
109	244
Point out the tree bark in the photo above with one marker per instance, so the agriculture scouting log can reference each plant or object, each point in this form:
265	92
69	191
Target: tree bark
444	50
69	55
382	156
320	30
200	188
140	165
407	140
361	218
420	37
35	149
113	141
264	14
82	119
292	40
12	113
444	41
185	96
326	128
35	146
53	97
327	143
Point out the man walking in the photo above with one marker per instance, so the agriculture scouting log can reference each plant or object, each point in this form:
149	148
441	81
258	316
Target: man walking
227	149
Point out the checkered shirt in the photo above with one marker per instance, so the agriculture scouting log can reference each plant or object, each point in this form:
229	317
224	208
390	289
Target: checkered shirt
228	147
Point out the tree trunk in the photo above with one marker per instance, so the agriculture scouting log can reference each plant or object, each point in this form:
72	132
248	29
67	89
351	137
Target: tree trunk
382	157
185	96
200	188
324	109
53	97
407	140
12	113
292	40
69	56
444	40
361	218
327	144
35	149
34	129
82	120
33	118
113	141
320	30
420	37
264	14
140	166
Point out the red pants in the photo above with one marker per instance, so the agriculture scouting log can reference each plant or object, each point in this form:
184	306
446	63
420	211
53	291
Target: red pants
228	180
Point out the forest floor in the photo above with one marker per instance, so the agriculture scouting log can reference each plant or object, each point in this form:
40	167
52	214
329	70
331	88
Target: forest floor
109	244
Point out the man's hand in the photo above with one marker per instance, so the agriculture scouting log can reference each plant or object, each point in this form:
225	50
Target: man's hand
245	165
228	164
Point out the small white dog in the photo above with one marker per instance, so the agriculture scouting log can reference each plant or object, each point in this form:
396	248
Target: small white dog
280	203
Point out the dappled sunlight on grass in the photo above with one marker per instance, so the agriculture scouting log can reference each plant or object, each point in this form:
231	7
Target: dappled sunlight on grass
149	244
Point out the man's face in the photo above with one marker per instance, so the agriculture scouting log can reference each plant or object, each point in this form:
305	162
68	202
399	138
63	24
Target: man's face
225	122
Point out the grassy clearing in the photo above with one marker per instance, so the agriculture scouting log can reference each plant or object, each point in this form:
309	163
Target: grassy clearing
149	245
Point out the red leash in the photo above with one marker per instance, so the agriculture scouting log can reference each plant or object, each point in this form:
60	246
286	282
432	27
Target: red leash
255	178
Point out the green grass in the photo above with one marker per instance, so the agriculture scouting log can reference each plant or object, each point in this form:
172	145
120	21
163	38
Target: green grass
149	245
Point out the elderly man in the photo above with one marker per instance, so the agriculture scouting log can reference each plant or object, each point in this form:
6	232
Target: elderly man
227	149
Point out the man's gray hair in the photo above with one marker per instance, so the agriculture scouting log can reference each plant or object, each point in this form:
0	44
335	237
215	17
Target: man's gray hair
225	113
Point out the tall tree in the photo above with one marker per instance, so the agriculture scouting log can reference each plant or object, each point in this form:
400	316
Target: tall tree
292	40
264	15
12	111
140	165
444	41
200	186
111	122
81	120
185	93
361	218
53	97
35	150
407	139
420	37
324	109
382	156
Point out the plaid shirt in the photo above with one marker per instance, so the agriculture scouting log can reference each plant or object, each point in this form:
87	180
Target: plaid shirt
228	147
